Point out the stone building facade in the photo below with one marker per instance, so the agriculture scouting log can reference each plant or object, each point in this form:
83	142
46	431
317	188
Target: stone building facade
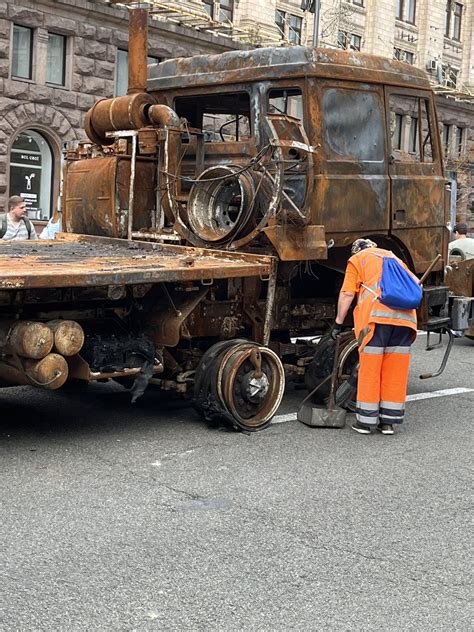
42	107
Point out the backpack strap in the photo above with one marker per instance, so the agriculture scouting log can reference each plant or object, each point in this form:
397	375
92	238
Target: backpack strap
3	224
369	289
29	226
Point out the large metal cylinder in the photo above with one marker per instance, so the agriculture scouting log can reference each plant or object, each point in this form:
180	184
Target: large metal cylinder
121	113
50	372
68	336
26	338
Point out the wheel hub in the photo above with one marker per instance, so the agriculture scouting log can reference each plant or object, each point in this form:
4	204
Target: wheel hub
254	388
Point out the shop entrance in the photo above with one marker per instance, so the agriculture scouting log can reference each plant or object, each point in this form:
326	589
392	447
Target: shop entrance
31	173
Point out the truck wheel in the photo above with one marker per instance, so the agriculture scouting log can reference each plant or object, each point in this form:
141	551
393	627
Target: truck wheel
321	366
241	382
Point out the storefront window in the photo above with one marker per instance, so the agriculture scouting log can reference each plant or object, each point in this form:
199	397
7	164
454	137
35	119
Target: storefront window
31	173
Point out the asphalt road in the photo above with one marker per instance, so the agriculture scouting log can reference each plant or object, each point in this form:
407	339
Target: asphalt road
143	518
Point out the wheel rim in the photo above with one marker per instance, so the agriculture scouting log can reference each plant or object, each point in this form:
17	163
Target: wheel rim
241	382
250	384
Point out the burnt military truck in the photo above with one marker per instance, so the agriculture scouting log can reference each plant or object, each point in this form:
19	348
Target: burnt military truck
208	220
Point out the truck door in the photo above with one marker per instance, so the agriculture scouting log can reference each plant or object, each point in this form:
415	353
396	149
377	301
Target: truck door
351	184
417	183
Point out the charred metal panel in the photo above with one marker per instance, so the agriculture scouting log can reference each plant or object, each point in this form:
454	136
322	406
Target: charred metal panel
83	261
351	190
460	277
302	243
423	244
97	196
274	63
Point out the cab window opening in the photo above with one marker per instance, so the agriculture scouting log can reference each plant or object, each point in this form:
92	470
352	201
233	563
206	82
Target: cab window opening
412	142
220	117
286	101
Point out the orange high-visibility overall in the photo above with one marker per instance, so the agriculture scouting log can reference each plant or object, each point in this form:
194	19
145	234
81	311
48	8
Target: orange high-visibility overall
385	336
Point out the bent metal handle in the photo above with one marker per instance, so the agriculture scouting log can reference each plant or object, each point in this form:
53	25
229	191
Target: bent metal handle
425	376
430	267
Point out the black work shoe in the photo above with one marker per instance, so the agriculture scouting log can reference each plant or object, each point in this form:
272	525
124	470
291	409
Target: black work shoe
385	429
360	429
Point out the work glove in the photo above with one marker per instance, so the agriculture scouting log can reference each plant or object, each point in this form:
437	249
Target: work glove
336	330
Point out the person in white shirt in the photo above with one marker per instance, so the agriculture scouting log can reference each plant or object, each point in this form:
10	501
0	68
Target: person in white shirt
52	227
462	246
14	225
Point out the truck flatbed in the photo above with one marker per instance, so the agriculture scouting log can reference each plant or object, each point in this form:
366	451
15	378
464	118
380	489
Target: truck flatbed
73	260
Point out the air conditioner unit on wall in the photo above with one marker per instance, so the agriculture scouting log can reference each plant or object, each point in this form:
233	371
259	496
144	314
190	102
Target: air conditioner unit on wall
432	65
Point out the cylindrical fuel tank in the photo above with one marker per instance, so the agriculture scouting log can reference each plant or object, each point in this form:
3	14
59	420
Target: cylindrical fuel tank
68	336
26	338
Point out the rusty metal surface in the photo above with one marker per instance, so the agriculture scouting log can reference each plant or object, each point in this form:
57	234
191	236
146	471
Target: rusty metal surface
137	50
121	113
96	195
82	261
460	278
298	243
274	63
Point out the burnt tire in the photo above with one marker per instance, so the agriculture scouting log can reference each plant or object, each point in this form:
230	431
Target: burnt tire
321	367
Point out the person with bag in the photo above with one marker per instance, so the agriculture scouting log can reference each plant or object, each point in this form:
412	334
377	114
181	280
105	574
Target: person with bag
385	326
14	225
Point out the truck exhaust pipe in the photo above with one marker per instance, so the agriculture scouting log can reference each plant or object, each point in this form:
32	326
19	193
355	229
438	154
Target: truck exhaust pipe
127	112
137	49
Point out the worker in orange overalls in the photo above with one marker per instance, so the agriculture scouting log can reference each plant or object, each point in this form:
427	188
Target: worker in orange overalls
385	337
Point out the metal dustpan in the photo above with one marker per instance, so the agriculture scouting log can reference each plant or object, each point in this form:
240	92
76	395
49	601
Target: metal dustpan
331	416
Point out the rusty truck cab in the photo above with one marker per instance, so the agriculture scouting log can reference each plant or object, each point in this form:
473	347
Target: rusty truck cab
352	167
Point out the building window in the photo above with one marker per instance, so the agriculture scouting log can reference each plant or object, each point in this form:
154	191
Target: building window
209	7
459	140
406	10
453	20
31	173
446	138
349	41
359	3
295	28
457	18
342	39
22	54
280	22
121	74
404	55
356	42
226	10
413	136
56	62
397	132
121	81
451	76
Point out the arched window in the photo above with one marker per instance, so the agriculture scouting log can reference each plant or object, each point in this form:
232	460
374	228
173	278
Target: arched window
31	172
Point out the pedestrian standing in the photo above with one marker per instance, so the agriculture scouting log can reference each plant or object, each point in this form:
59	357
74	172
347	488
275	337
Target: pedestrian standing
15	225
384	336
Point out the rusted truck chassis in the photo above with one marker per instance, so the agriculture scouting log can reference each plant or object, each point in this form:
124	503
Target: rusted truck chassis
288	154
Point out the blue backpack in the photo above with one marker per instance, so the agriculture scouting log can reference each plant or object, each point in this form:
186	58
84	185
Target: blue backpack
399	288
